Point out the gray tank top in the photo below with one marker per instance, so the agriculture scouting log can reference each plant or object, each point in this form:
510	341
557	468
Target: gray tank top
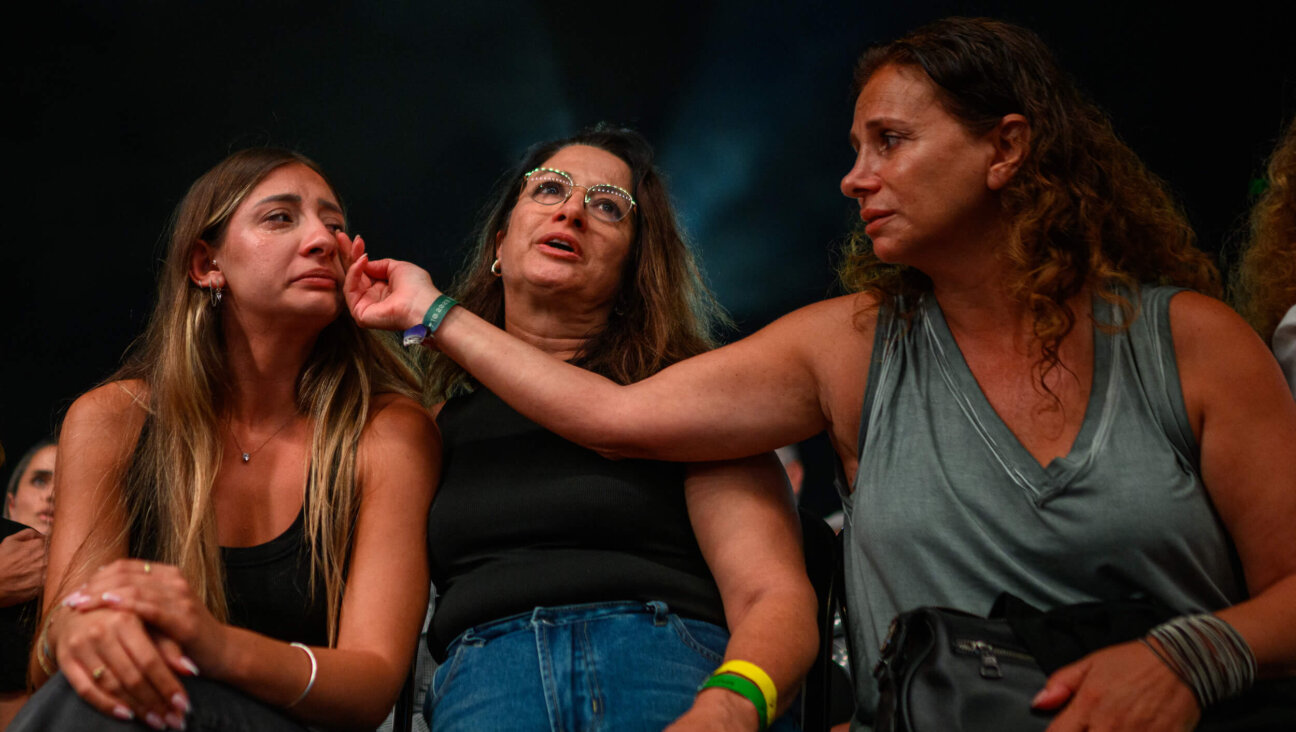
950	509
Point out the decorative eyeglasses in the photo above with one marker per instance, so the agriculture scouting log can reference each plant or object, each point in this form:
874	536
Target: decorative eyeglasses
606	202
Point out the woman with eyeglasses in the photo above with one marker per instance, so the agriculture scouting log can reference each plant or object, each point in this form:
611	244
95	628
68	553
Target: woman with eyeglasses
239	543
1018	400
577	592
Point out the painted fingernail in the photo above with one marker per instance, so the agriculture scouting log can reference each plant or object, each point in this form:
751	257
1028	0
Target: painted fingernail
75	599
189	665
111	597
180	702
122	712
153	720
175	721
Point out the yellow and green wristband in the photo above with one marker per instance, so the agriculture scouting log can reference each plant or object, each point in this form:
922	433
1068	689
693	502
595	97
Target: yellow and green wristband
751	681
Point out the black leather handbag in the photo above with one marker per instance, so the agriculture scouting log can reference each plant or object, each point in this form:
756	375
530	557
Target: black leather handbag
945	670
950	671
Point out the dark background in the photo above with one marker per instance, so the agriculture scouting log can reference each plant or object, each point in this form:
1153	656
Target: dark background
413	109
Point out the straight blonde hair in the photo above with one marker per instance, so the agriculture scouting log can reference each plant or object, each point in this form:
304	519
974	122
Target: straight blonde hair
166	495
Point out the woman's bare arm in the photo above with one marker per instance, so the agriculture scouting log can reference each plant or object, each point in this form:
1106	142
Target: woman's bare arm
1245	423
98	436
746	525
796	377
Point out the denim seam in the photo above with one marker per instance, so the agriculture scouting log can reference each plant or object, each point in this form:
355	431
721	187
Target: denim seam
681	630
594	688
547	681
453	669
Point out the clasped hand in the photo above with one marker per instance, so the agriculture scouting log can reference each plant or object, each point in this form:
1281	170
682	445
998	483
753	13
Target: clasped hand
22	566
133	627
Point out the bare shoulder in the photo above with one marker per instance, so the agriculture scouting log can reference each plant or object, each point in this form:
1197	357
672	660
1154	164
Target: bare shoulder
1209	336
1221	360
96	443
396	421
830	337
1194	315
836	316
836	339
113	412
399	455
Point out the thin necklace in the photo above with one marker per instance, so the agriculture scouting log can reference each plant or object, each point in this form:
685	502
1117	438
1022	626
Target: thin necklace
246	454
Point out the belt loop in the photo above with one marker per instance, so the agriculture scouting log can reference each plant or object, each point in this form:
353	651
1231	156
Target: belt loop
540	616
659	611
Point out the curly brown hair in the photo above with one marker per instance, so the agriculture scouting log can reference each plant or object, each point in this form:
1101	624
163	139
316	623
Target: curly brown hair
1084	210
662	313
1265	282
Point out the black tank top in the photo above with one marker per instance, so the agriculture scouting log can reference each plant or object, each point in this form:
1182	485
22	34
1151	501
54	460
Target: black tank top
267	586
525	519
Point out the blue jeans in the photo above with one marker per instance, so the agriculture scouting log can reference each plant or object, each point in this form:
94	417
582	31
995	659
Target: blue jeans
602	666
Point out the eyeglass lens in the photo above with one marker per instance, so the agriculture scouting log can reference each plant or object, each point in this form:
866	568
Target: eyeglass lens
604	201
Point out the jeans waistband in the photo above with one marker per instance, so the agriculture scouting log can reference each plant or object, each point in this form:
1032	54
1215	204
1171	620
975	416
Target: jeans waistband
559	615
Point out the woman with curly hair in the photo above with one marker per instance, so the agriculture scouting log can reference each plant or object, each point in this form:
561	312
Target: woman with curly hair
1020	393
239	542
1266	277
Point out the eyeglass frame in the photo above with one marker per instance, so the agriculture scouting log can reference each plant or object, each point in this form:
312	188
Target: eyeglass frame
572	186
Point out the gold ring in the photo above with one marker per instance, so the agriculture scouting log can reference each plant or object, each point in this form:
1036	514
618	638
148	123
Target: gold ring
147	568
97	673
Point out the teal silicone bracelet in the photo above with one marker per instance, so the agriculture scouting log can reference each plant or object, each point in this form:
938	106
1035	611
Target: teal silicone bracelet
437	312
739	685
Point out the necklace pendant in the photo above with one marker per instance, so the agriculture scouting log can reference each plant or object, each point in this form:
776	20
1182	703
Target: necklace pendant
246	457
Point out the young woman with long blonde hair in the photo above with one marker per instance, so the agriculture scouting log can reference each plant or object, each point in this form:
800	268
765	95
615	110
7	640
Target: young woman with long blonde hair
245	499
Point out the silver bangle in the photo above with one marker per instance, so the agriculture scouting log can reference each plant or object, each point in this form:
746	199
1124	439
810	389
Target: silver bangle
1208	654
310	684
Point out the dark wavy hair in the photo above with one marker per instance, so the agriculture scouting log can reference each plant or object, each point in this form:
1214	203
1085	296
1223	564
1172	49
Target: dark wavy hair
1084	210
1265	284
663	311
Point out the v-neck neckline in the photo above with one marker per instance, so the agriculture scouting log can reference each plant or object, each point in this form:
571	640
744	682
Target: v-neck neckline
1043	480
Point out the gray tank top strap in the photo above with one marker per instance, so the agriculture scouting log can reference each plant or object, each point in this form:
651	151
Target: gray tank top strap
883	340
887	322
1152	346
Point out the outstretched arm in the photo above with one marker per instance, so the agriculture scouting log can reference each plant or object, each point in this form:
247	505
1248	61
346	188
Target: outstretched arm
771	389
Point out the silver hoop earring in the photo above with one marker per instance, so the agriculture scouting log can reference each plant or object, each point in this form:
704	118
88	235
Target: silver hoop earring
495	268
